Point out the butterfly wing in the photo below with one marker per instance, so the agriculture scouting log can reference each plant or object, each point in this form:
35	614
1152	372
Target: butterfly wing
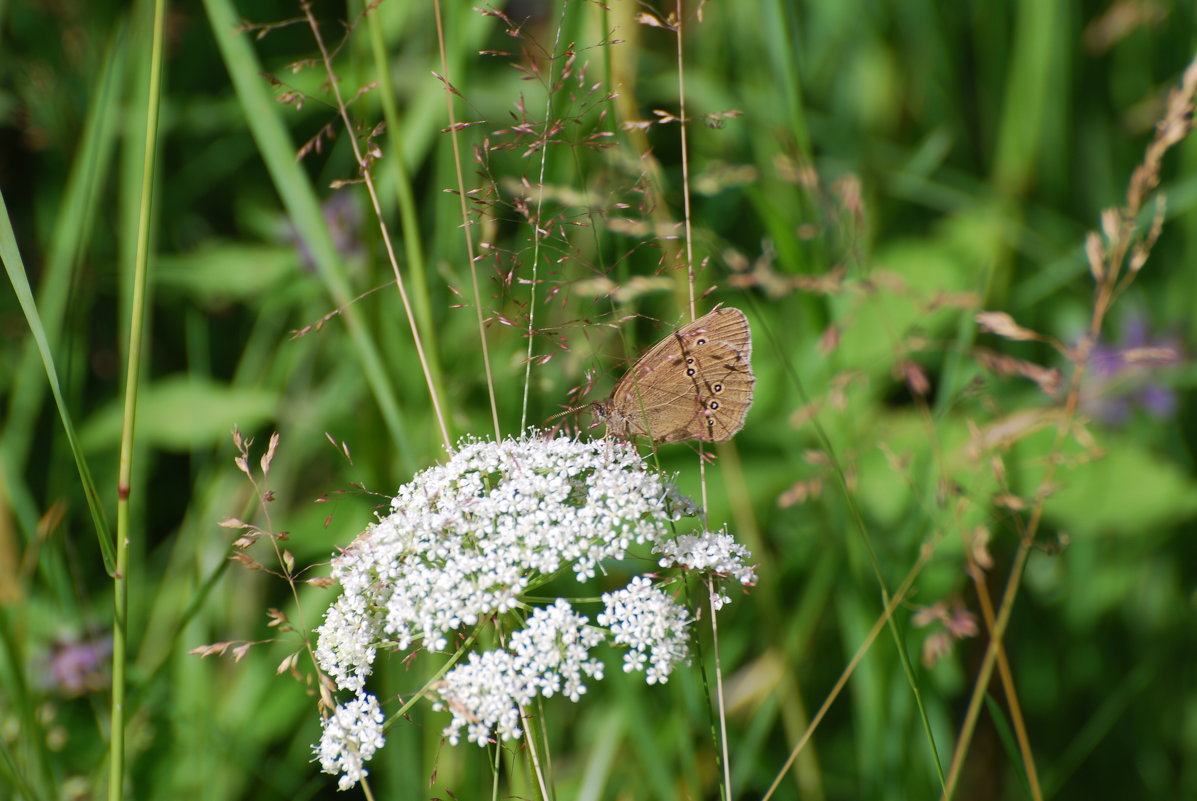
696	383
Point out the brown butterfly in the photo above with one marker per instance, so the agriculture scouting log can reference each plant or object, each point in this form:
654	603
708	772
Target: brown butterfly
695	383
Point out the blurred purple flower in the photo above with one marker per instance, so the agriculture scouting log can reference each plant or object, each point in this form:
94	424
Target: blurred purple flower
344	219
1124	376
78	666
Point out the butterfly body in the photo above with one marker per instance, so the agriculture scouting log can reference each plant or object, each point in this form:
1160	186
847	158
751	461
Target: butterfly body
695	383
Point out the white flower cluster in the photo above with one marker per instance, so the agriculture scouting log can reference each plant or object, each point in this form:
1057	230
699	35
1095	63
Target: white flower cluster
651	624
465	539
715	552
549	656
352	733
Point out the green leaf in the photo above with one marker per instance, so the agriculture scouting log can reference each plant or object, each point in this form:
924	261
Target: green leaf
220	273
1128	491
181	412
11	256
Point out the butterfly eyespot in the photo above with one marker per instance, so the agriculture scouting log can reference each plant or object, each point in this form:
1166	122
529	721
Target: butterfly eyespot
700	341
690	360
690	371
713	405
718	387
711	421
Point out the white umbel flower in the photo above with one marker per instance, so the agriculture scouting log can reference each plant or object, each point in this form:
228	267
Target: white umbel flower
351	735
651	624
465	539
715	552
550	655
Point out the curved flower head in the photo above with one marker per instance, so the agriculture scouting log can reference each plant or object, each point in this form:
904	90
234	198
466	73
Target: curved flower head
464	539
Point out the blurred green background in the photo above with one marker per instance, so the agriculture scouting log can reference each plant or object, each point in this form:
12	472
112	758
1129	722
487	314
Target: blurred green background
865	177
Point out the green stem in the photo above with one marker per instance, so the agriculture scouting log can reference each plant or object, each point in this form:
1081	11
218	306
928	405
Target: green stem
136	327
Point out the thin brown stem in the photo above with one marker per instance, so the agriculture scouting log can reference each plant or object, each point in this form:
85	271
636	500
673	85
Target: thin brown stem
1108	262
898	596
367	175
454	137
683	121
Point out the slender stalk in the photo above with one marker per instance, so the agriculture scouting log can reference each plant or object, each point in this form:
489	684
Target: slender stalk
120	584
1114	264
682	121
537	768
368	177
299	198
691	278
537	228
883	621
719	697
998	630
465	216
1007	678
409	224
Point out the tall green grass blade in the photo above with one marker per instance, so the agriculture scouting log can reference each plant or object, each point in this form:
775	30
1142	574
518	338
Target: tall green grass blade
17	278
299	197
73	223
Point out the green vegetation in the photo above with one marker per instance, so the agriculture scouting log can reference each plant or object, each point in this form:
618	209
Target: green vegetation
970	410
